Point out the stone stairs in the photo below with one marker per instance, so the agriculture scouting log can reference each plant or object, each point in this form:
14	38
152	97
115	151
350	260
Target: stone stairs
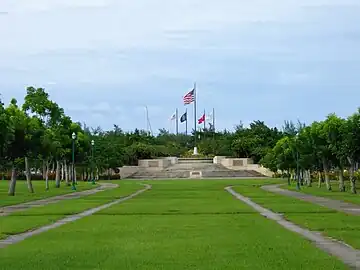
185	166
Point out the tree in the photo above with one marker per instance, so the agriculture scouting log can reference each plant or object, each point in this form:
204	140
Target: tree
350	147
16	147
284	155
321	148
333	132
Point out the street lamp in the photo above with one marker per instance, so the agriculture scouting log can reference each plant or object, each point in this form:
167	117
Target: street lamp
92	161
297	164
73	136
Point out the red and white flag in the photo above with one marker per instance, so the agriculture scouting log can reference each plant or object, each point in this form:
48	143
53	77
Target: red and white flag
201	119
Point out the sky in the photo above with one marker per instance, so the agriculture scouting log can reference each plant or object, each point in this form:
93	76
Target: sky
103	61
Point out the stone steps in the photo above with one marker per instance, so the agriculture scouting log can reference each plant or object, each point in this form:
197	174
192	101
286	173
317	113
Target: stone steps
186	174
194	160
228	173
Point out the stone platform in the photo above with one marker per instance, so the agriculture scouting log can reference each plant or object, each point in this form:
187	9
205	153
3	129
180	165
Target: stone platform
172	167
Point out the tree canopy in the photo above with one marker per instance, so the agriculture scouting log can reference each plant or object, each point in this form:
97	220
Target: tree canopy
37	138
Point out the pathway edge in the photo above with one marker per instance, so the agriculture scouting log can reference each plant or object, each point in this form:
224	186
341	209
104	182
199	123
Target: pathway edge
13	239
344	252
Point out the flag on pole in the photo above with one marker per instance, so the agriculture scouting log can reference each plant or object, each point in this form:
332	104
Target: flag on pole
173	117
183	118
201	119
209	117
189	97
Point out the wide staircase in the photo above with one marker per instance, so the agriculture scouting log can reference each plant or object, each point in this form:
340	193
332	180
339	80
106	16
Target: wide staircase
201	166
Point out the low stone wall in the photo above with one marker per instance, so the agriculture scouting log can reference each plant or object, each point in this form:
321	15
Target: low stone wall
173	160
260	169
154	163
195	174
127	171
242	164
218	159
233	162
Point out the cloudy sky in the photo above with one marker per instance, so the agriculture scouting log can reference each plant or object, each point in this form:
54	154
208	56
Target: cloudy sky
104	60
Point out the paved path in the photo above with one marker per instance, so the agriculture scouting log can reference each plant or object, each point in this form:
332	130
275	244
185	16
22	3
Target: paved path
13	239
337	205
347	254
7	210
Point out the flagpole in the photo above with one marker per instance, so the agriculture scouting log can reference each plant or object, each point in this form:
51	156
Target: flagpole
195	118
213	119
204	121
186	122
177	122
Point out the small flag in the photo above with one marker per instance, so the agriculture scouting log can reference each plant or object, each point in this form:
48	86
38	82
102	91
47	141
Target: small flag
173	117
209	117
201	119
183	118
189	97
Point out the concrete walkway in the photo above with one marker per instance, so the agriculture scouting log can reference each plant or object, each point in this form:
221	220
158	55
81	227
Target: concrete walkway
347	254
7	210
337	205
13	239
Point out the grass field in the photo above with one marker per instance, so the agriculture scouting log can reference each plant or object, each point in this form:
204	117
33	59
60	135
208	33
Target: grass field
22	195
175	225
338	225
26	220
334	194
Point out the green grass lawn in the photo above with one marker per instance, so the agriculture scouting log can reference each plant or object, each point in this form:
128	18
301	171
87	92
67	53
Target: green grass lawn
29	219
22	194
334	194
338	225
176	225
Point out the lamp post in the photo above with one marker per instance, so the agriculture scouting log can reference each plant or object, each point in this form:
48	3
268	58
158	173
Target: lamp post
73	136
92	161
297	164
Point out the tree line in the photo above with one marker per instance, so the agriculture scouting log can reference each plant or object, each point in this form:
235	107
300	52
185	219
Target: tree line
36	143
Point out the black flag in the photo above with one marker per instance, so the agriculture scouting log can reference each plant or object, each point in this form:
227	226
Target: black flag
183	118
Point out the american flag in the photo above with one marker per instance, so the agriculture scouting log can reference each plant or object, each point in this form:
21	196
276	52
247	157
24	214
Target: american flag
189	97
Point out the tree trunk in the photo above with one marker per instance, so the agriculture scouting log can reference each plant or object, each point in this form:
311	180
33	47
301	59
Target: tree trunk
289	177
57	176
47	176
28	176
44	169
320	179
292	176
326	172
66	170
13	181
62	172
341	179
310	180
352	176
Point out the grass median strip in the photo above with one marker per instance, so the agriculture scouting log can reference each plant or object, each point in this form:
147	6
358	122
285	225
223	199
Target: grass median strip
176	225
22	194
36	217
335	194
331	223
